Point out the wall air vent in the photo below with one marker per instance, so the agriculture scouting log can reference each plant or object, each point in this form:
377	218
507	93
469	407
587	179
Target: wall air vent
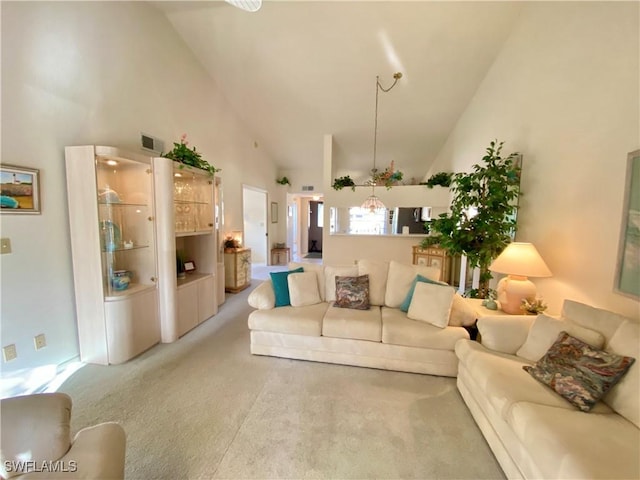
307	188
151	144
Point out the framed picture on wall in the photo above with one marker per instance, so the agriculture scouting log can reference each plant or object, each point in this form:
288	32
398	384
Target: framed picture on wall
274	212
19	189
628	267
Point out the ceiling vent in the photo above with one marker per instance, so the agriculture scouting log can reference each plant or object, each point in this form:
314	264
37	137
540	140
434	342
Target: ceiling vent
307	188
151	144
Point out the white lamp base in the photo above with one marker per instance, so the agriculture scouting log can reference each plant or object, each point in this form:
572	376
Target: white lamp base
512	290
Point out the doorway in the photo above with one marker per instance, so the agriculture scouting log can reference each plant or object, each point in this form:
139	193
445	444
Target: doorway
254	215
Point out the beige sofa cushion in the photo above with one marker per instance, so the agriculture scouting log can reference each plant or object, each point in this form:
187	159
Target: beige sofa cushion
303	289
398	329
624	397
602	321
318	269
544	332
353	324
400	278
330	274
295	320
377	271
573	444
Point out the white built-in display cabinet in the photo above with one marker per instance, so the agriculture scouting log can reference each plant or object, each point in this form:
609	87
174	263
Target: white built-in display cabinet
112	226
188	239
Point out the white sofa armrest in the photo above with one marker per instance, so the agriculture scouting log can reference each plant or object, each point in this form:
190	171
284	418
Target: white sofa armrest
263	297
97	452
503	333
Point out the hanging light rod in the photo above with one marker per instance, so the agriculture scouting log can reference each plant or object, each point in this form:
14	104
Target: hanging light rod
372	203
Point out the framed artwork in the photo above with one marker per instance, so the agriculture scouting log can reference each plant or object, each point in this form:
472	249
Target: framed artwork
628	267
19	189
189	266
274	212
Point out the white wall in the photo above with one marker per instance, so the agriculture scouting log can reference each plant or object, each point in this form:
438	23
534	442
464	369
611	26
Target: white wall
564	92
96	73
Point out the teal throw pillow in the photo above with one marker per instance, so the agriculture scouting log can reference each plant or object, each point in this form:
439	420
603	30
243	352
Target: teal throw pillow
419	278
281	286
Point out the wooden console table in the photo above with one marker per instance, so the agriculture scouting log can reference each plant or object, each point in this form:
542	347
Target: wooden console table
237	269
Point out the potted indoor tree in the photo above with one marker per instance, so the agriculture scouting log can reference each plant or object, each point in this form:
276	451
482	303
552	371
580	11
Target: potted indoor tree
482	217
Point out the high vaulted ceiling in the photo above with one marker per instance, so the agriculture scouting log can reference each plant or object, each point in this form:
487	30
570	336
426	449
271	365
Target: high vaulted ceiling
296	70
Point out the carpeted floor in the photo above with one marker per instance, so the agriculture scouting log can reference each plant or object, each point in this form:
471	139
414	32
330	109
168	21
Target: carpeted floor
313	255
204	407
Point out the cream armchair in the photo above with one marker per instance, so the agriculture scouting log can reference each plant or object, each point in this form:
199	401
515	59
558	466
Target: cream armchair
36	441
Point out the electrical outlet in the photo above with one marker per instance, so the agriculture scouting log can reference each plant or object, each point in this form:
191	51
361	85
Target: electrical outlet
9	352
40	341
5	245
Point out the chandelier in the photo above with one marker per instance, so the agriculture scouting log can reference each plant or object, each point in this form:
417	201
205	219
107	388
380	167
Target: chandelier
373	203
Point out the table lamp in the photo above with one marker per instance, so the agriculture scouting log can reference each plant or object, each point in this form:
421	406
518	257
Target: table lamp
519	261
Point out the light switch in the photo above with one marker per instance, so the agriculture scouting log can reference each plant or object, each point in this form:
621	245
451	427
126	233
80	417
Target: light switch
5	245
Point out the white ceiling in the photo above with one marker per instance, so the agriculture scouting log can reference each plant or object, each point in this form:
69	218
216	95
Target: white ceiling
296	70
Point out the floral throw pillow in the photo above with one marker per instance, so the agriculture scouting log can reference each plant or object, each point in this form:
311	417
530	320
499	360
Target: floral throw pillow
578	372
352	292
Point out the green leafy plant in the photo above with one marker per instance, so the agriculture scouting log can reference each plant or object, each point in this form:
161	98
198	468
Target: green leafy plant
441	178
341	182
189	156
481	220
283	181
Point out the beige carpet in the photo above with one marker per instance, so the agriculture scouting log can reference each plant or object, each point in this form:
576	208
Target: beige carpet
204	407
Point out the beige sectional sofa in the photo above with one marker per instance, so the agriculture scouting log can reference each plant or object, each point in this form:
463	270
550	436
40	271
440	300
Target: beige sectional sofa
533	431
381	337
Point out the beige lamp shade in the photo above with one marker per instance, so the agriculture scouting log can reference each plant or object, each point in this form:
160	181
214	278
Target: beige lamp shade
519	261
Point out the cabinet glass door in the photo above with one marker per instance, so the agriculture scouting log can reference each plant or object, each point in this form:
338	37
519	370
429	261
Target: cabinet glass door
193	201
125	213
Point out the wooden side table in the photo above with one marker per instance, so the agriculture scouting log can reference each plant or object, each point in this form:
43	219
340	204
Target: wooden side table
280	256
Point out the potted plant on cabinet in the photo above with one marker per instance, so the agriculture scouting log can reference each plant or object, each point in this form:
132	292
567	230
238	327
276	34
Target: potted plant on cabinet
189	156
481	221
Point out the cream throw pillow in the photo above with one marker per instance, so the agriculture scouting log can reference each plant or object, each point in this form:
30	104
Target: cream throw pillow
431	304
303	289
544	332
462	315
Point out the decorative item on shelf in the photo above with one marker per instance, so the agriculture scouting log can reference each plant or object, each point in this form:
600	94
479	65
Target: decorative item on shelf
481	220
373	203
388	178
128	244
533	306
183	154
441	178
346	181
283	181
109	236
107	195
180	269
490	301
519	261
120	279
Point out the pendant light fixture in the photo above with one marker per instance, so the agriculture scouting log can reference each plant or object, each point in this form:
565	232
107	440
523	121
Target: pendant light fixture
373	203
